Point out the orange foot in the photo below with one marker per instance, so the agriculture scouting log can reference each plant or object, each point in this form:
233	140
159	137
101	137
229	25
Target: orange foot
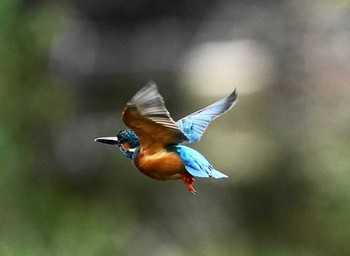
188	180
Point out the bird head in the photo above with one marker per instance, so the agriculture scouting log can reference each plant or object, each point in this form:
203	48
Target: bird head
126	141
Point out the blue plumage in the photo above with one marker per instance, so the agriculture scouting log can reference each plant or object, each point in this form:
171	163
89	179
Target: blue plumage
194	125
130	137
195	163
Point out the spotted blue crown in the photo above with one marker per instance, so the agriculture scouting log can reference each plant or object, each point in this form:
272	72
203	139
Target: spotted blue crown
129	136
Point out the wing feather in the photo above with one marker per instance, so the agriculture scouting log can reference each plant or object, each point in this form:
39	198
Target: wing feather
194	125
147	115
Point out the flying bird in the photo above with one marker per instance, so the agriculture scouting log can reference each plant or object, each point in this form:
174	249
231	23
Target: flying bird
156	143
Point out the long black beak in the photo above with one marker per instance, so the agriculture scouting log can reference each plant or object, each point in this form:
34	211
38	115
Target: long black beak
108	140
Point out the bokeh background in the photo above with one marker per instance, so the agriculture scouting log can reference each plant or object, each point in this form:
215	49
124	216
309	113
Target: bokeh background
67	68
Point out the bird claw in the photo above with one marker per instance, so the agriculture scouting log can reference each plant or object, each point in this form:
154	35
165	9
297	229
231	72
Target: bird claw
192	190
188	180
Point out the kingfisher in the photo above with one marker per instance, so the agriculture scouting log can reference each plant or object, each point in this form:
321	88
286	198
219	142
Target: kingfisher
156	143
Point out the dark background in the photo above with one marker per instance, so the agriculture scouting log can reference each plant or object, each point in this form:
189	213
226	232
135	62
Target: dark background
67	68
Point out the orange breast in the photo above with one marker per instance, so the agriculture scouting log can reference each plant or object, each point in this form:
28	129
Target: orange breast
160	165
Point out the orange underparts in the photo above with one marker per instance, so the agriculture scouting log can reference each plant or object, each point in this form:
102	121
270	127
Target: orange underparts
188	180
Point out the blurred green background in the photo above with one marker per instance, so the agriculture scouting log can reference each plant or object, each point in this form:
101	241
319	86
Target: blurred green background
68	68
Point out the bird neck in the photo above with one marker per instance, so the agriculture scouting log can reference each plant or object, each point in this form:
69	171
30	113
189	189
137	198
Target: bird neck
131	153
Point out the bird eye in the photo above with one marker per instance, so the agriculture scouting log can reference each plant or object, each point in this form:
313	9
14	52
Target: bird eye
122	141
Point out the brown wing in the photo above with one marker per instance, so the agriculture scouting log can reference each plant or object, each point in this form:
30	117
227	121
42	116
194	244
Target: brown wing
146	114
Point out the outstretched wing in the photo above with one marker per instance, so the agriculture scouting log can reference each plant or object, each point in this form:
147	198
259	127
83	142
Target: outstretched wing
146	114
194	125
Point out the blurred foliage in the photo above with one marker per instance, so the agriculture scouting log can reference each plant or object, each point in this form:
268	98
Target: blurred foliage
288	161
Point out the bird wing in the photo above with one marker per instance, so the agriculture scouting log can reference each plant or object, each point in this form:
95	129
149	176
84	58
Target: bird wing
146	114
194	125
196	164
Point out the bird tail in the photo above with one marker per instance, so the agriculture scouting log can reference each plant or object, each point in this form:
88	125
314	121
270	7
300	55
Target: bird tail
217	175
